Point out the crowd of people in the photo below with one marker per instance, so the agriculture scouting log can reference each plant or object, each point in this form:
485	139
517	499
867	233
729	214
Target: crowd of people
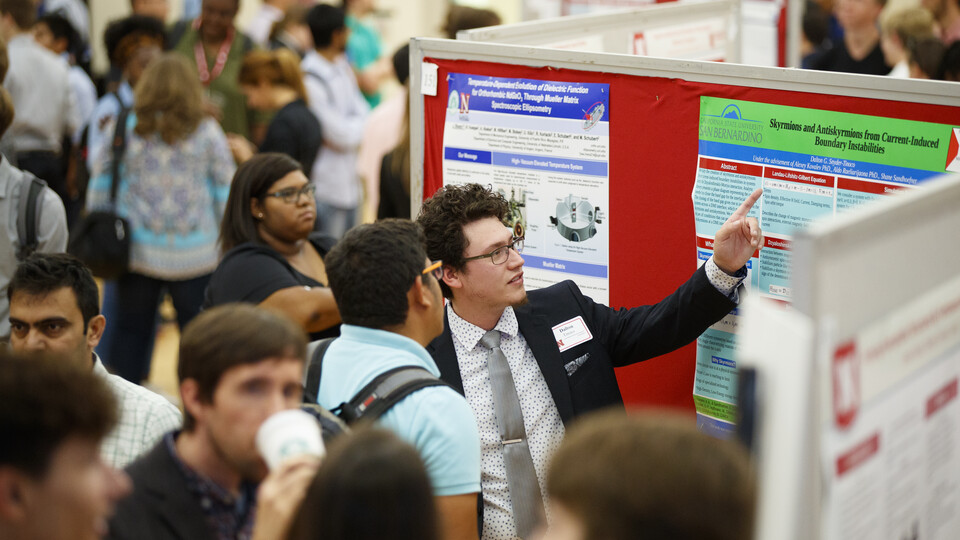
242	161
919	40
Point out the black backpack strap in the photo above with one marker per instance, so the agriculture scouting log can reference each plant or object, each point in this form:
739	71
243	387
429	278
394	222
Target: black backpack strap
28	220
119	146
385	391
311	386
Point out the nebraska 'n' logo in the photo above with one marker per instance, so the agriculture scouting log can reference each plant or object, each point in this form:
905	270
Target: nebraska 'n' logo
953	152
846	385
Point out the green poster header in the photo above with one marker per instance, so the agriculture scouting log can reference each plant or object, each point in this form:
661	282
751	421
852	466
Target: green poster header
873	139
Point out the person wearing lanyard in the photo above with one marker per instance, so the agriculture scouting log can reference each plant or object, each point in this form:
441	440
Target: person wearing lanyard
213	44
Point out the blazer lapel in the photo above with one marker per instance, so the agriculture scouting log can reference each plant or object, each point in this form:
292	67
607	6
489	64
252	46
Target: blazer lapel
445	355
539	337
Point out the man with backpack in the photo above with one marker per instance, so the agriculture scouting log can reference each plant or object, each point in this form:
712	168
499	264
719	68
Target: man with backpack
392	306
32	217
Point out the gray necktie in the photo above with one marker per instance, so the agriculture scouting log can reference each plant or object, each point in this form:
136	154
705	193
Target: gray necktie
525	494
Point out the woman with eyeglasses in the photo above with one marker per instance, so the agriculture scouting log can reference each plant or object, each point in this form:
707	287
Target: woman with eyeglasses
271	255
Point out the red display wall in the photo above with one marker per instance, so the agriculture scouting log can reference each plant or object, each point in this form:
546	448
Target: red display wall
653	164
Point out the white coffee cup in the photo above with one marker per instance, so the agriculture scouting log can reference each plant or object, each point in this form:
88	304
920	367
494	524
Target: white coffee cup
288	434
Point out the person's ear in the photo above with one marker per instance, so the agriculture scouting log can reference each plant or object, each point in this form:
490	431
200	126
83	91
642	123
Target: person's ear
256	209
95	331
452	277
418	294
14	495
190	397
60	45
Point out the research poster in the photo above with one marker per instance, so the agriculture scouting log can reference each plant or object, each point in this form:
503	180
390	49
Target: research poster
545	146
810	163
891	425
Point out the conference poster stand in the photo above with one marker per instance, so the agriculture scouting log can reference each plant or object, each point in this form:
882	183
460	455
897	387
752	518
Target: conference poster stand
628	174
854	404
679	30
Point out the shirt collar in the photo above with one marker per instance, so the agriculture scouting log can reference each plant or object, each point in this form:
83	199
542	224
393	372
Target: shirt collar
469	334
202	487
6	171
383	338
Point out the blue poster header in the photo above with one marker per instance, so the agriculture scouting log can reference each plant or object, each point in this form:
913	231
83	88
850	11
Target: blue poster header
589	102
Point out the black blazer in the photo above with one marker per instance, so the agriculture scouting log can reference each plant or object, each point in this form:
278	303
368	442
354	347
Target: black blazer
160	507
581	378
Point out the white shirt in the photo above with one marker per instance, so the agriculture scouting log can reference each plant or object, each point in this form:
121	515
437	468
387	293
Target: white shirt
144	419
337	102
38	82
84	97
262	23
541	419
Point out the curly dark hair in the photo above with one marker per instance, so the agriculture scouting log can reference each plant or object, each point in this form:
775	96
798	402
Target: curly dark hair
444	215
371	270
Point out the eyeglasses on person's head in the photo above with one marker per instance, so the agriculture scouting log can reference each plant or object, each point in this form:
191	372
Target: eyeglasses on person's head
435	269
291	194
502	253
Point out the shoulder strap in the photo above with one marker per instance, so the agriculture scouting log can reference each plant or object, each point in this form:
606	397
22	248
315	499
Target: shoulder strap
28	220
311	387
119	146
323	82
385	391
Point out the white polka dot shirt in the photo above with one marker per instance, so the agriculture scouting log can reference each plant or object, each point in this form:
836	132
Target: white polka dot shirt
541	419
722	281
540	416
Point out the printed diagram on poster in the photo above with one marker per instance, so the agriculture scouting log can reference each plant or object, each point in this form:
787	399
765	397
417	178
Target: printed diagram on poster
544	145
810	163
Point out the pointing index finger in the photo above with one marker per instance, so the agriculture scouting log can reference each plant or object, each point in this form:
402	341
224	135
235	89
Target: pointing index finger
747	204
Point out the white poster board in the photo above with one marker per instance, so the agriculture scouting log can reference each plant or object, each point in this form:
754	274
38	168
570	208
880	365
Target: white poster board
879	294
680	30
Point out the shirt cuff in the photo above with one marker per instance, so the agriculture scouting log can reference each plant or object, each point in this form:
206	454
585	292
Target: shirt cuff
722	281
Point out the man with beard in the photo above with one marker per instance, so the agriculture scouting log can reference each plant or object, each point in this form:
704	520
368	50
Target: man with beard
238	365
529	364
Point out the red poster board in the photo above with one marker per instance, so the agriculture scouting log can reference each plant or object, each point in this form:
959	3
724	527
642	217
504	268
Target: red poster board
653	164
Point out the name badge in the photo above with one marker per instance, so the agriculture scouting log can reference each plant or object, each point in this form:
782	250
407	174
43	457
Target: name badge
571	333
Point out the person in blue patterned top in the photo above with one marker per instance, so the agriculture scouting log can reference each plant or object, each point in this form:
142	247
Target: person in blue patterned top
174	180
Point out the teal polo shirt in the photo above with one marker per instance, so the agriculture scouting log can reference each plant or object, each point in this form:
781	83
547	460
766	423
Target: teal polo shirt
436	420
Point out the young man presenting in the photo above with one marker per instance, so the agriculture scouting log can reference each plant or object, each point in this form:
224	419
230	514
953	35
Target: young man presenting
500	345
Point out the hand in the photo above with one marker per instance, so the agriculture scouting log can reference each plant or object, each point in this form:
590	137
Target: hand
240	147
211	108
738	238
280	494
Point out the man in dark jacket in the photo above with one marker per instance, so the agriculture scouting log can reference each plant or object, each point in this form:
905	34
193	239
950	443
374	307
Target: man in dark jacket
238	365
560	346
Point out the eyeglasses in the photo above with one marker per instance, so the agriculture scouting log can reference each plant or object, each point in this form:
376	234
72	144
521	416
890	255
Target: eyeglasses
435	269
291	195
502	253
